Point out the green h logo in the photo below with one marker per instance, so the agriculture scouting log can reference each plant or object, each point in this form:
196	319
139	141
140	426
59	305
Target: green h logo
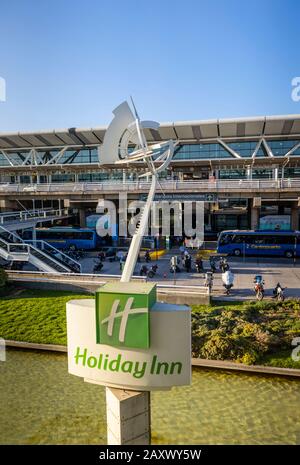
122	317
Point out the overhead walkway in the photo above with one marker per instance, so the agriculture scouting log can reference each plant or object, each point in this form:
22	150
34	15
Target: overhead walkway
74	189
39	253
13	221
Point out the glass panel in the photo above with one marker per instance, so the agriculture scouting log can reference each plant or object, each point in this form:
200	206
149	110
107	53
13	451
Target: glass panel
244	149
201	151
262	174
292	172
281	147
232	174
63	178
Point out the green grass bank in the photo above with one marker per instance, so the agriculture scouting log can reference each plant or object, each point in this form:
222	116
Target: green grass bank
245	332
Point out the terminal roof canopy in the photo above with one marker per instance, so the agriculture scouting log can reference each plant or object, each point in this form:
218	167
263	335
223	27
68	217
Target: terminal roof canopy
193	131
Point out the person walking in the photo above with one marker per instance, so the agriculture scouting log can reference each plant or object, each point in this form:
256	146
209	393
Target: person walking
188	263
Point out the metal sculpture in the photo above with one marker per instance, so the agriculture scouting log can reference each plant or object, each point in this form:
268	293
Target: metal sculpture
124	132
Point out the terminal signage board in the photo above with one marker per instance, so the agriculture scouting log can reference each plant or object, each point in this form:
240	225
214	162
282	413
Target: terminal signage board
181	197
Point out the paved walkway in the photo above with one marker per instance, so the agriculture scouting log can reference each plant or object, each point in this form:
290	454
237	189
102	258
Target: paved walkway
273	270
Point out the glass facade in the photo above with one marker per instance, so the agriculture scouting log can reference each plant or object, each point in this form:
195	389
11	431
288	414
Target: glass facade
228	221
262	173
89	155
232	174
281	147
246	149
205	151
291	172
200	151
62	178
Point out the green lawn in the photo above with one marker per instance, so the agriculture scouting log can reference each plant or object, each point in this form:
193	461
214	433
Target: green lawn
36	316
247	332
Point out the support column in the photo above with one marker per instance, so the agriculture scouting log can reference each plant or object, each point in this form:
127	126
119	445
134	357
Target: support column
8	205
34	236
254	217
295	216
82	219
249	173
128	417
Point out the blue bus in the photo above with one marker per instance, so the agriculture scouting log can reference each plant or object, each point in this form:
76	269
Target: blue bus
250	243
66	237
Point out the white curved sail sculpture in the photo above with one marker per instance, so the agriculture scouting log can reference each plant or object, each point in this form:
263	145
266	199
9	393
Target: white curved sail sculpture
125	131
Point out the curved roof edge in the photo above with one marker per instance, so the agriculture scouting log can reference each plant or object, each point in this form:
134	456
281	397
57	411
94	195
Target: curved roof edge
196	131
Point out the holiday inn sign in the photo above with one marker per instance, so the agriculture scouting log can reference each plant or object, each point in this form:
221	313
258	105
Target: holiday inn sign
126	339
122	320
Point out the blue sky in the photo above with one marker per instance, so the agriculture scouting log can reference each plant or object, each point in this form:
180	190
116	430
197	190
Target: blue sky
69	63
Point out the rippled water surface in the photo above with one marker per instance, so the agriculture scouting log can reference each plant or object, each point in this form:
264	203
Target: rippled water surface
42	404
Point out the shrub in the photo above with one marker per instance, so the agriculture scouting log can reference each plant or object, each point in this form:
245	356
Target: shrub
3	278
251	312
247	333
248	358
249	329
3	282
217	347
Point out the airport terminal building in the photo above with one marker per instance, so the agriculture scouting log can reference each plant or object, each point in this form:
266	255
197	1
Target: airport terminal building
244	169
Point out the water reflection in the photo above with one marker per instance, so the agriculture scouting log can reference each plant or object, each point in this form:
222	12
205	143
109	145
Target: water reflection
42	404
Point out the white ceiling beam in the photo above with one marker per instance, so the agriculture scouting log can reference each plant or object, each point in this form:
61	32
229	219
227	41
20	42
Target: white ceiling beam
268	150
38	158
6	157
57	157
293	149
229	149
257	148
29	156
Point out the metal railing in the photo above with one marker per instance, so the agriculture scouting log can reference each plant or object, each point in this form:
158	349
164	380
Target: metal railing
13	244
168	185
56	254
32	215
97	279
15	248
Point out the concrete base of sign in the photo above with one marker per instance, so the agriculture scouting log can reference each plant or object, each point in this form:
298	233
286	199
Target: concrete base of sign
128	417
97	352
